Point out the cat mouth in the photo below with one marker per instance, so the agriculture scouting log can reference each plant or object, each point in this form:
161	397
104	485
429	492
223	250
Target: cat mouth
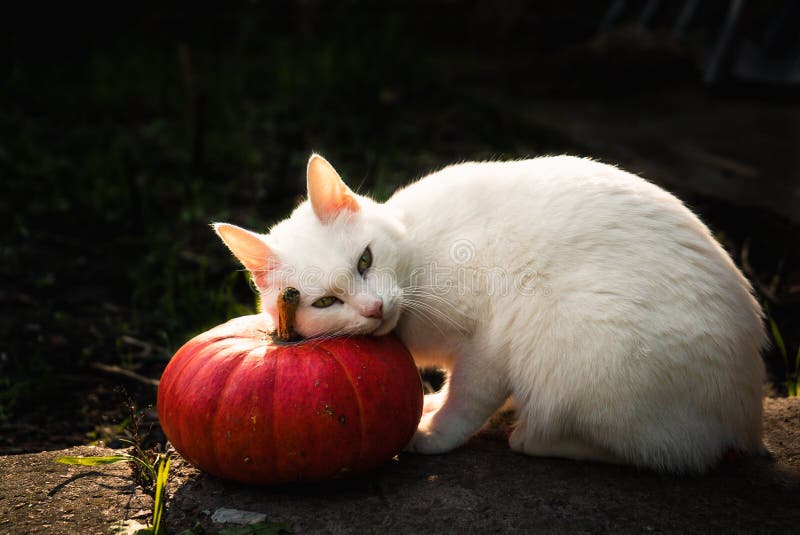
386	326
382	329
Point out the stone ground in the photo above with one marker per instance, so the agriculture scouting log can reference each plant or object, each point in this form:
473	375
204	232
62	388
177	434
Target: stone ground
40	496
483	487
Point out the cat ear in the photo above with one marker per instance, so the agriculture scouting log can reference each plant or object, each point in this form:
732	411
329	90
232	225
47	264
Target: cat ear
328	194
250	248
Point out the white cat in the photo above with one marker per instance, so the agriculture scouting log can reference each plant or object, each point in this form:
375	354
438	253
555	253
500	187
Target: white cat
597	301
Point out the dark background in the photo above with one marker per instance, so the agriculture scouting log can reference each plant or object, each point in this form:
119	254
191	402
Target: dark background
126	130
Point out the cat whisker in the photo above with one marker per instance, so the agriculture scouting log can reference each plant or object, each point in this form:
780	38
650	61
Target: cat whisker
415	303
436	318
422	314
421	296
423	300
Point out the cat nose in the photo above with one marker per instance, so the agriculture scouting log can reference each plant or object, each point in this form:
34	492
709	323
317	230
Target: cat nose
373	310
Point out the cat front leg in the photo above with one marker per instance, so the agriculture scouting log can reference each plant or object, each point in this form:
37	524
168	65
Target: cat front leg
433	402
473	393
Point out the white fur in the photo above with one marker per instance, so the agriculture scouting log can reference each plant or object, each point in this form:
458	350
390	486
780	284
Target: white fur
625	333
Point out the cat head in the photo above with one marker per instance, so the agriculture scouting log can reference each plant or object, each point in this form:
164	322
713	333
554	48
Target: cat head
342	251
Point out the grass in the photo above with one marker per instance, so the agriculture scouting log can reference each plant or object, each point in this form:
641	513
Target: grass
150	470
792	369
114	167
155	470
149	467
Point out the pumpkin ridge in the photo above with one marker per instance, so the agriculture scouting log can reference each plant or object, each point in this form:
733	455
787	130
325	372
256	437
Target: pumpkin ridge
215	412
166	388
361	426
184	358
274	418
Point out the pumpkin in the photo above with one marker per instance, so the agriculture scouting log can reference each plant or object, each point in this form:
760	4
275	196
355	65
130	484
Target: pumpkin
240	403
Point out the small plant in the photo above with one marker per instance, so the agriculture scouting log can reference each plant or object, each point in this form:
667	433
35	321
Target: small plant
157	471
792	376
150	467
159	500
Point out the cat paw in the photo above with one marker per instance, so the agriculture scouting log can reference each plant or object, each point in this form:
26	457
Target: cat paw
432	403
432	440
429	443
517	440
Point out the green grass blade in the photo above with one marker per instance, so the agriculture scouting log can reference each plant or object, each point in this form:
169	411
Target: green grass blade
776	334
142	459
161	486
147	466
797	363
92	461
136	446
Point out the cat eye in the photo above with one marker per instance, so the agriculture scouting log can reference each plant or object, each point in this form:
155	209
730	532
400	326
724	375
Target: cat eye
325	302
365	261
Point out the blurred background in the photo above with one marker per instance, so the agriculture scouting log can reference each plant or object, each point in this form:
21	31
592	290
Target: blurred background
125	130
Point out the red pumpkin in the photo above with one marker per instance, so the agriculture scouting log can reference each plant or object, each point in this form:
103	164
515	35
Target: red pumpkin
239	405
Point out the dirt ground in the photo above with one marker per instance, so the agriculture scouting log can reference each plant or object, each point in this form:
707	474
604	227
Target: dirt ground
39	496
483	487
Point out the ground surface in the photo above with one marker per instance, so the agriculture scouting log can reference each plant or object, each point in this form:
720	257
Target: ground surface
483	487
39	496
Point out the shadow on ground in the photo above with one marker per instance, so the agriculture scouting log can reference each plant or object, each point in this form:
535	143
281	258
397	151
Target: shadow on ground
484	487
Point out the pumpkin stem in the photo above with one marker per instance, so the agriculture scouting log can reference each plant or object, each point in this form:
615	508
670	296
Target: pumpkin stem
288	300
